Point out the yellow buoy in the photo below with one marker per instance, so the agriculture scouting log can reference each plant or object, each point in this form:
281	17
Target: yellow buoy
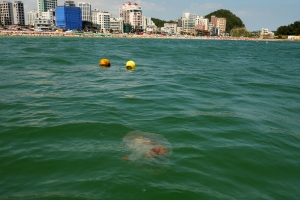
104	62
130	65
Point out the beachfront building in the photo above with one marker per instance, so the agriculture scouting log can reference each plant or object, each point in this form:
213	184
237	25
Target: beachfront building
101	19
213	20
188	22
85	11
210	28
45	5
42	24
6	13
68	17
94	16
144	22
150	26
18	13
265	33
70	3
132	14
219	25
32	15
49	15
201	23
170	28
117	25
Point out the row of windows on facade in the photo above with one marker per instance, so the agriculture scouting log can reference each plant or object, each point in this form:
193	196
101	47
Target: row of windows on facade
5	6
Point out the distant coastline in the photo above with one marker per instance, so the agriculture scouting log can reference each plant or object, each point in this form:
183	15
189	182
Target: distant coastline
5	33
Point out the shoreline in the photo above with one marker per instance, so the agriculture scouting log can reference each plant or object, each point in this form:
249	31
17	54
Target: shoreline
145	36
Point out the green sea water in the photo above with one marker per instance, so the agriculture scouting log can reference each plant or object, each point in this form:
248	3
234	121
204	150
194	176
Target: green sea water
227	110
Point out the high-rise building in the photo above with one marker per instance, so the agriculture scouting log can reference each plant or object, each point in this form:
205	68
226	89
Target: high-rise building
117	25
45	5
6	13
102	19
170	28
68	17
188	22
132	14
50	16
18	13
213	20
221	24
203	22
70	3
85	11
32	15
148	25
218	24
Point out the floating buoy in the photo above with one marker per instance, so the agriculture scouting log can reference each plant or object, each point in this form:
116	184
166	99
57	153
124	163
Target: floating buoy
130	65
104	62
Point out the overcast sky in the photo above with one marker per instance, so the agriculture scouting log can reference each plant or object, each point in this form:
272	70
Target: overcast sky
255	14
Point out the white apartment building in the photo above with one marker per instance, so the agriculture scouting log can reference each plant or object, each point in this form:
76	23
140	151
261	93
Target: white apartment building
150	25
117	24
32	15
42	23
132	14
170	28
50	16
18	13
45	5
265	31
221	24
188	22
6	13
144	22
202	21
94	14
70	3
102	19
85	11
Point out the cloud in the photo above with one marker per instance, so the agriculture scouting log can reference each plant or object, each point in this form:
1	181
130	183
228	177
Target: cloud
206	6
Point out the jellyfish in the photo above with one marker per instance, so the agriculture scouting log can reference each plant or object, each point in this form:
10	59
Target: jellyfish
147	150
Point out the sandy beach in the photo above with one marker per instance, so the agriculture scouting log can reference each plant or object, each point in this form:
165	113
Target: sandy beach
160	36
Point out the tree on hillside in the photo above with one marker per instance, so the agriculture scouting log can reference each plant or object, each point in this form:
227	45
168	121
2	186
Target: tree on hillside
160	23
232	21
292	29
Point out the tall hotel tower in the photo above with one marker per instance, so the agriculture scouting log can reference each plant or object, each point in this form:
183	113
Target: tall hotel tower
18	13
85	11
6	13
45	5
132	14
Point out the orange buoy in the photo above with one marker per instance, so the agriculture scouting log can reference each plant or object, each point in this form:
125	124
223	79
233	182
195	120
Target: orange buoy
104	62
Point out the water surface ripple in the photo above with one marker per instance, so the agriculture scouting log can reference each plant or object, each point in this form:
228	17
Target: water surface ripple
229	109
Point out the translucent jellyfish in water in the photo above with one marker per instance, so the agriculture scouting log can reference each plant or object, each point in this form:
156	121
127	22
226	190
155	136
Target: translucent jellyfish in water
147	149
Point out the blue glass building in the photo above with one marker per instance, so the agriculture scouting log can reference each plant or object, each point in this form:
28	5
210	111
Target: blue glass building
68	17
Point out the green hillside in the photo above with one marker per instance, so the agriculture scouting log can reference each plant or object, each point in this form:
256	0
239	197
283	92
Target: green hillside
160	23
292	29
232	21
